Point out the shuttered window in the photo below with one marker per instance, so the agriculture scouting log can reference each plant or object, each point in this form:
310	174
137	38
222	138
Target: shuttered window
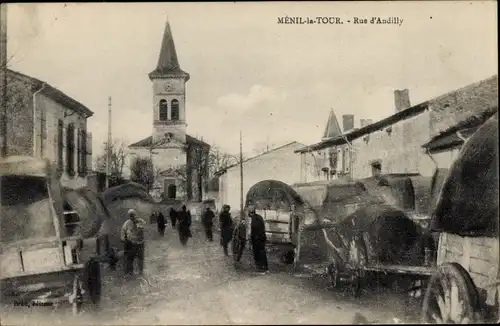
60	144
70	150
79	151
82	153
43	132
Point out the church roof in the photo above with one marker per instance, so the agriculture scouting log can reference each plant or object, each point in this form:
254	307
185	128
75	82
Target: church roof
168	64
332	128
148	142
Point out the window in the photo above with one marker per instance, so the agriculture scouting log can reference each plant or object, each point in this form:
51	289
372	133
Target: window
43	132
175	110
70	149
78	151
84	153
163	110
60	144
346	160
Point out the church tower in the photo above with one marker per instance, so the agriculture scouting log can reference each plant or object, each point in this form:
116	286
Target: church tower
169	93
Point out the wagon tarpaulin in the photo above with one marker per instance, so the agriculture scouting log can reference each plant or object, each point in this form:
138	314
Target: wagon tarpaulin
126	191
90	209
468	202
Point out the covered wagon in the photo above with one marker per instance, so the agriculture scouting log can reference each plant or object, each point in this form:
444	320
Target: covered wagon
465	287
42	238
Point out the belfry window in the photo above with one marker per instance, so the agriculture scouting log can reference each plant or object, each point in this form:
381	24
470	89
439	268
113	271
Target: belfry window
175	110
163	110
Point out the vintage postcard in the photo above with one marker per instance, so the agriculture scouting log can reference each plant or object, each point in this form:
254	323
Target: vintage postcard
249	163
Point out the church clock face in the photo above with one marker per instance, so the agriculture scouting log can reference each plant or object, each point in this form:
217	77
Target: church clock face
169	87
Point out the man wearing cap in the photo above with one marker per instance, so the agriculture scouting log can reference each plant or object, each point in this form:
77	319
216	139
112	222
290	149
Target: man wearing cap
132	235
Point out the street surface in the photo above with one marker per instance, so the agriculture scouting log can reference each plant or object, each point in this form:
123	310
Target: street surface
198	285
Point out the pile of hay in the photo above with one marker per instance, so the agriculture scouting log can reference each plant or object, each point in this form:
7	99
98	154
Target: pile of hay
468	203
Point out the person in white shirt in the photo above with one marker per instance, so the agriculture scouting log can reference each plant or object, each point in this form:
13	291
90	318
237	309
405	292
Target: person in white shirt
132	235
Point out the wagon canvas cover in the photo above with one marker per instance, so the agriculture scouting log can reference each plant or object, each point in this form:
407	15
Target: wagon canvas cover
468	202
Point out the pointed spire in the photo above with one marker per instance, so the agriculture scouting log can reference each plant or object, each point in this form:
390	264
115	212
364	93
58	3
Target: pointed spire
168	64
332	128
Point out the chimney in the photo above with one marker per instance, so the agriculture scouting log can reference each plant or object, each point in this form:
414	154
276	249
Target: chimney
348	122
402	99
365	122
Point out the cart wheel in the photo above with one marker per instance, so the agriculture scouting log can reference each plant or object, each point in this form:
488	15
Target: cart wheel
77	296
332	273
451	297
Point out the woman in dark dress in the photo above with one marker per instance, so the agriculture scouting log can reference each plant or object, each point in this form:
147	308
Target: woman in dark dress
226	228
184	222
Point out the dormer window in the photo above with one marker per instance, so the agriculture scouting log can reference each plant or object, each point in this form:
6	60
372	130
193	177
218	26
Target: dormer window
163	110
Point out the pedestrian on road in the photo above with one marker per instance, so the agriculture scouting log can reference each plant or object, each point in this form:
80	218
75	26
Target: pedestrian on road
259	239
161	222
173	216
239	240
184	219
132	235
226	228
208	223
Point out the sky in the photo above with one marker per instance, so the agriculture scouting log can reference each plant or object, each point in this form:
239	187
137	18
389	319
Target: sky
275	82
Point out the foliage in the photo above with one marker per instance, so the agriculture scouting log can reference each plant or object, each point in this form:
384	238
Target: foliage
143	172
118	158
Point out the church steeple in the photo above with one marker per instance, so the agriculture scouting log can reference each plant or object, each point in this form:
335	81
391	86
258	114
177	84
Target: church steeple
168	64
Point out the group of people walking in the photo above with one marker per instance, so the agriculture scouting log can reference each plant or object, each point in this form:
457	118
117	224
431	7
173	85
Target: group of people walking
238	234
132	234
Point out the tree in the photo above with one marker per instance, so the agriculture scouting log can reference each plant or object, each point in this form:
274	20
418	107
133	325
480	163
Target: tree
219	160
118	158
143	172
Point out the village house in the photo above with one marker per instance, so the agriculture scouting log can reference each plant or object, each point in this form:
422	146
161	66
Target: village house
180	161
277	164
394	144
44	122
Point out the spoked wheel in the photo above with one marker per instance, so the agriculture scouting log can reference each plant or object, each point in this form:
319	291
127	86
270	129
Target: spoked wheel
76	298
451	297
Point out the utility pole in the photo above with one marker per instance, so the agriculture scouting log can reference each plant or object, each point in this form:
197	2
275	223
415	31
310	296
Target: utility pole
108	147
241	177
3	64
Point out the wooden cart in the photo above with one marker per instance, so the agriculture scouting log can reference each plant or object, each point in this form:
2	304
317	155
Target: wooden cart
465	288
40	245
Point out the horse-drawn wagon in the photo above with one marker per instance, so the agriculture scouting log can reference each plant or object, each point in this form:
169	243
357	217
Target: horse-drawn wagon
41	239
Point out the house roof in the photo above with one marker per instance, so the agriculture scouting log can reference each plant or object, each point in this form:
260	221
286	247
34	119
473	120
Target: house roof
449	109
148	142
222	171
449	138
53	93
168	64
332	128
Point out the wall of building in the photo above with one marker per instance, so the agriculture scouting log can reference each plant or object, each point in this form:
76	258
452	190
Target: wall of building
20	117
445	159
48	148
400	150
282	164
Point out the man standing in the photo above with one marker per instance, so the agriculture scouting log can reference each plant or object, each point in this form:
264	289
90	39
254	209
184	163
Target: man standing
160	221
184	219
258	238
239	240
132	235
208	223
226	228
173	216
